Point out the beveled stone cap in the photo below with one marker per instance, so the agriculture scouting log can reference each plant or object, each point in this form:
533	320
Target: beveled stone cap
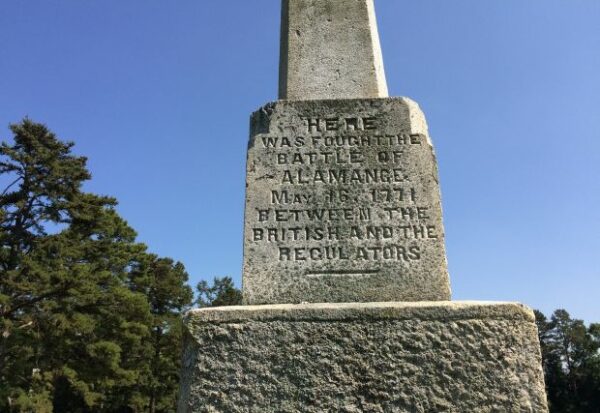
424	310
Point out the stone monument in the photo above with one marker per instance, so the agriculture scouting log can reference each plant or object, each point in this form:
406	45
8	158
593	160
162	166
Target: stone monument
345	281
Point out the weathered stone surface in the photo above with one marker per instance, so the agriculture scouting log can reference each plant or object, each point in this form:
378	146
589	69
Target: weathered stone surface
376	357
342	204
330	50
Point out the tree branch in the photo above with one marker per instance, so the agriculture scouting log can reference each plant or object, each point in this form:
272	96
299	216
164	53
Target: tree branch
12	183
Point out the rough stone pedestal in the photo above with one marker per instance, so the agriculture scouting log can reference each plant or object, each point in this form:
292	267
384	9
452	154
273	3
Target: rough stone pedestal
363	357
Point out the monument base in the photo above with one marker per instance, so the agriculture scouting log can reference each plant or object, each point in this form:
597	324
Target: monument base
363	357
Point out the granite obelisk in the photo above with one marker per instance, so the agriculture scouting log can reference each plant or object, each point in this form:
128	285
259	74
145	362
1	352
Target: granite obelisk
342	201
345	281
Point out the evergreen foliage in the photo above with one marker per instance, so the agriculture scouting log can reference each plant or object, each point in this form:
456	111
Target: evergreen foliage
90	321
571	361
221	293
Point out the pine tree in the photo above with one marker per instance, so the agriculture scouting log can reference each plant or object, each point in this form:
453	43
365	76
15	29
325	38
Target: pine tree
221	293
83	306
163	282
571	361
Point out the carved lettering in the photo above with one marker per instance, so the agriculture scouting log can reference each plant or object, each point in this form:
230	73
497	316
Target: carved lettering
344	124
391	252
343	176
344	190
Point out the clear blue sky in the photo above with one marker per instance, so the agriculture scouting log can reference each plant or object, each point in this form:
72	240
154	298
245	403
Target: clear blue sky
158	93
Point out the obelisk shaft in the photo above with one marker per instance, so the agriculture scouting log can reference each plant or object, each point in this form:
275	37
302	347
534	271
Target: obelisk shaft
330	50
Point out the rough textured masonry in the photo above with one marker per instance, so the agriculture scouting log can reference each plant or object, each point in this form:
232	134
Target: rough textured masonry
342	204
330	49
378	357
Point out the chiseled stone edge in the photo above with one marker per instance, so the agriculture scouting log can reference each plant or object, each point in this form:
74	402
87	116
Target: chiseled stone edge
424	310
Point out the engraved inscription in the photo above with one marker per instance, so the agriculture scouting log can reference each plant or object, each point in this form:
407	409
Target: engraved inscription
336	161
340	195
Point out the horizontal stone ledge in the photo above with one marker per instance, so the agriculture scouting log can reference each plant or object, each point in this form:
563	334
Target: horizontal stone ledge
425	310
